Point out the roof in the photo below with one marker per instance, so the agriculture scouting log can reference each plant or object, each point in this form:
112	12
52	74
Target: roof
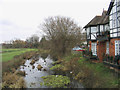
99	20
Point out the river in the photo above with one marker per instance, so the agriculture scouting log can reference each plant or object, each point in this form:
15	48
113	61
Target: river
33	76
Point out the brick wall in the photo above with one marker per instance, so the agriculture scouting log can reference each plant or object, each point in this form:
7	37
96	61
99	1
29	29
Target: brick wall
89	45
101	49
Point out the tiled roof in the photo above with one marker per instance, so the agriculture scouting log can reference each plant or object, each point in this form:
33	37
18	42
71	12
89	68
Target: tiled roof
99	20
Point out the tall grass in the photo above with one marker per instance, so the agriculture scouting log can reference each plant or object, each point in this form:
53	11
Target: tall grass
91	75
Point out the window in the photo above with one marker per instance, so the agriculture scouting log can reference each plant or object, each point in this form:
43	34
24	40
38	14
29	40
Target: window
93	48
93	29
119	30
88	31
118	22
117	47
106	27
118	8
93	36
111	26
101	28
107	47
118	2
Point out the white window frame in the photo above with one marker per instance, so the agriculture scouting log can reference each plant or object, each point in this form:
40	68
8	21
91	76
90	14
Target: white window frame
94	48
107	47
117	47
101	28
94	29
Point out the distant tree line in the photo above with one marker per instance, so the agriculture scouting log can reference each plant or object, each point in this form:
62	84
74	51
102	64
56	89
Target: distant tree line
31	42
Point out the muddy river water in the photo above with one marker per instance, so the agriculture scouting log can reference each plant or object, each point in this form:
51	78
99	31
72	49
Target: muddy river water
33	76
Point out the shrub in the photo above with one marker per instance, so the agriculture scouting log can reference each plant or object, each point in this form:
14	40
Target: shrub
11	80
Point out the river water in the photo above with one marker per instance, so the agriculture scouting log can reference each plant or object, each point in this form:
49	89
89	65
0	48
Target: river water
33	76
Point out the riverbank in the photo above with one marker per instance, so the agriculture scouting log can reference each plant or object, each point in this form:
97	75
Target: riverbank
74	67
11	78
89	74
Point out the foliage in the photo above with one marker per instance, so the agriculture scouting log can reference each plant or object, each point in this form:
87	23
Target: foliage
43	53
89	74
11	80
31	42
117	59
111	59
55	81
57	66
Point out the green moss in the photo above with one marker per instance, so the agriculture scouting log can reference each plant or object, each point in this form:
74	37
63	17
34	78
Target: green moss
55	81
57	66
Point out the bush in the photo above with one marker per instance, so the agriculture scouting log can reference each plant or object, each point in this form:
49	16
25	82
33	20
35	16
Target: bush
11	80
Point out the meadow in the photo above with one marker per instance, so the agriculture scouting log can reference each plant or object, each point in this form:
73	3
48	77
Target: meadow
9	54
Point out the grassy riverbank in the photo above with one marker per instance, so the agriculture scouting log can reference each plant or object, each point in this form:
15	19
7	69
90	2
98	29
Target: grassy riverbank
9	54
11	77
91	75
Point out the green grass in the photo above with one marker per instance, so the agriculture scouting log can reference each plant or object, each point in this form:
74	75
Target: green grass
97	73
8	54
9	50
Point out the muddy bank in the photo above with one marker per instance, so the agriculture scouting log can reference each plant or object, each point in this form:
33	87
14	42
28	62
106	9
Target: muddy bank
11	76
17	61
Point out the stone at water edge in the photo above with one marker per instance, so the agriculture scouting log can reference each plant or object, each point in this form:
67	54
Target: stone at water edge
32	62
23	62
39	67
22	73
44	69
33	67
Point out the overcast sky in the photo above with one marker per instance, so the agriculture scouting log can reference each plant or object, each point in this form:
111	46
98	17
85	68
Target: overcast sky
21	18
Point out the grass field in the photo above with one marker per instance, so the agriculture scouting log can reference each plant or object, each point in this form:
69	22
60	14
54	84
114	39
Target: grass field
8	54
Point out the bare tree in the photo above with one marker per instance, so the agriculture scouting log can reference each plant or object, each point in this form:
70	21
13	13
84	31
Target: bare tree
63	33
33	41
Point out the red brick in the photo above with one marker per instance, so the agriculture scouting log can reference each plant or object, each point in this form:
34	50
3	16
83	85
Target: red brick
101	48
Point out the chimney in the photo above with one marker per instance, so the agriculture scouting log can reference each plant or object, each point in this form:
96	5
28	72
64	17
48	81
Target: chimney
104	12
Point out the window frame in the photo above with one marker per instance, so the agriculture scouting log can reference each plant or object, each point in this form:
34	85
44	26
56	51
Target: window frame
107	48
94	48
117	47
